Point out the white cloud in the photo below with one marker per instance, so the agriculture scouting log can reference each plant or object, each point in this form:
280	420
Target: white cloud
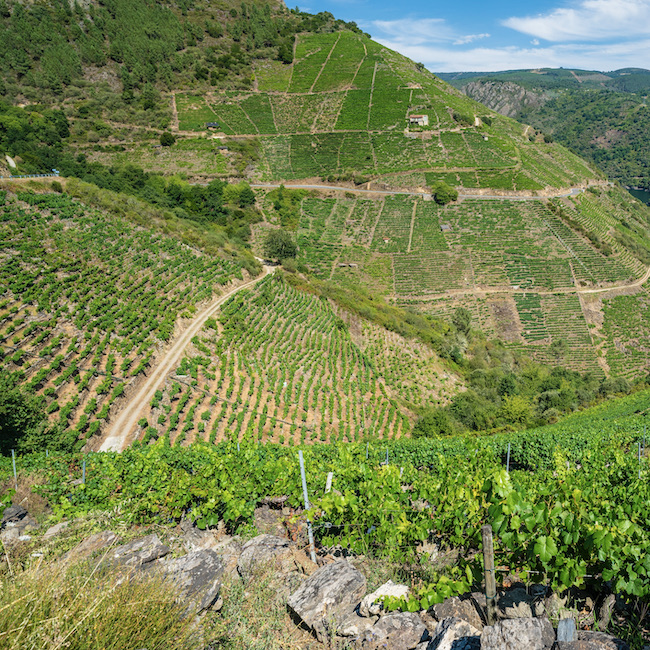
470	38
441	58
415	31
535	42
588	20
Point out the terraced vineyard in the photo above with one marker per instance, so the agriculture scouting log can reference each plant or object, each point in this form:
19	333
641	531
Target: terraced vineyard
342	107
280	365
88	300
537	255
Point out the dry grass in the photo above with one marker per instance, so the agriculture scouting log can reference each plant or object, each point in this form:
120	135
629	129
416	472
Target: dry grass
84	608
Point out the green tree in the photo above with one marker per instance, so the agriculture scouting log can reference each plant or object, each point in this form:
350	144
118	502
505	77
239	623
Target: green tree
22	417
443	193
167	139
462	319
279	245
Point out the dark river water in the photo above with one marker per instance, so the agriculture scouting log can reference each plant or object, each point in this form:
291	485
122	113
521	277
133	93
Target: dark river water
642	195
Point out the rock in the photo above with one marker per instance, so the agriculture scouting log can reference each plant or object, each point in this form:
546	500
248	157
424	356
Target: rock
355	625
455	634
518	633
371	604
400	631
269	522
594	641
515	603
555	604
260	550
605	611
195	539
90	546
139	552
326	598
566	630
463	610
229	549
10	536
199	575
13	514
55	530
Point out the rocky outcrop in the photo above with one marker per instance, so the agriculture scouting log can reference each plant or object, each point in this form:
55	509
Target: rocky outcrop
455	634
504	97
261	550
371	605
199	575
327	597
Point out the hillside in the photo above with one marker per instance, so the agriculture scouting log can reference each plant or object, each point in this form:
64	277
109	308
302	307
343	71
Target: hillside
539	254
601	117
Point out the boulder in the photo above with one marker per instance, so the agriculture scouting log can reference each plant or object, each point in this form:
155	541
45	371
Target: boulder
326	598
10	536
13	514
199	575
518	633
261	550
464	610
138	553
399	631
455	634
371	604
593	641
55	530
91	545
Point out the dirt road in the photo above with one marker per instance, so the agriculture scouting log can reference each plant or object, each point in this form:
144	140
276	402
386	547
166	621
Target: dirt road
123	429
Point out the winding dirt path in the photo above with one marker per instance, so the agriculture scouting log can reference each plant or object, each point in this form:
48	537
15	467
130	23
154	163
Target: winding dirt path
123	429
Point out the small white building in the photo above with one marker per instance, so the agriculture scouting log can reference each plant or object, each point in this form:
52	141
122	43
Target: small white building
419	120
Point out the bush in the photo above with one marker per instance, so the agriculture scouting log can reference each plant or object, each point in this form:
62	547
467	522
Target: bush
167	139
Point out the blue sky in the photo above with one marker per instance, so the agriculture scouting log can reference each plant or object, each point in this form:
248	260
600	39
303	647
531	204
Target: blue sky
459	35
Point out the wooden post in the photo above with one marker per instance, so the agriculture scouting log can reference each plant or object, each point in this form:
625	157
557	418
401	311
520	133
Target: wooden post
490	581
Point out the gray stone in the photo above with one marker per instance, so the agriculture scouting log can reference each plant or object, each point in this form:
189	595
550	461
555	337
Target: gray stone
515	603
91	545
55	530
195	539
594	641
555	604
566	630
454	607
325	599
14	514
518	633
371	604
400	631
605	611
10	536
354	625
261	550
455	634
199	575
138	553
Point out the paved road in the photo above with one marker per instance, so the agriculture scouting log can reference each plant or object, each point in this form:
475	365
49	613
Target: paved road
124	427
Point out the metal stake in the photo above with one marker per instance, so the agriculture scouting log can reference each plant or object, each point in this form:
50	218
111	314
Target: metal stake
310	532
508	460
13	460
